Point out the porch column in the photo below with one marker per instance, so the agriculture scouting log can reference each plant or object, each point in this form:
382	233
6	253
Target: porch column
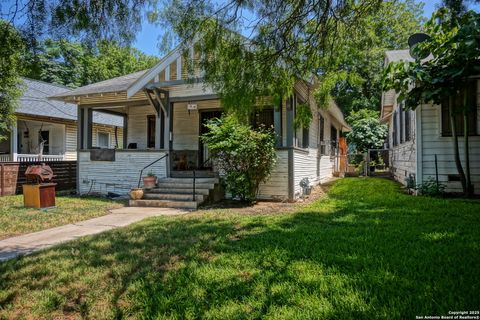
14	141
167	137
85	120
277	123
125	131
291	171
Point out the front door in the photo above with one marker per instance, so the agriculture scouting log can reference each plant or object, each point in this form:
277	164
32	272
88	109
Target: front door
203	149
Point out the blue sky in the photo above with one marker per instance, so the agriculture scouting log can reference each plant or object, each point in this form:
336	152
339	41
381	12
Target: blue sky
148	39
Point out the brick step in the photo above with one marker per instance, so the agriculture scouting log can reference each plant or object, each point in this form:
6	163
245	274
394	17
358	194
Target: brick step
172	196
164	204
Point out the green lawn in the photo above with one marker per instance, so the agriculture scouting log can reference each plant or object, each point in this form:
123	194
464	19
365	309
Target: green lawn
15	219
366	251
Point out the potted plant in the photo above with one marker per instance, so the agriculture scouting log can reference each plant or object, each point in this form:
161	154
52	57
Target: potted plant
150	180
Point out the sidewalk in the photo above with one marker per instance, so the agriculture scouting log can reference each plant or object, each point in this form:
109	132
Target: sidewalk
28	243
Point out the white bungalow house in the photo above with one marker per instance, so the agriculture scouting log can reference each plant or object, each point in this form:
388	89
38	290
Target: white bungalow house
163	115
55	123
417	137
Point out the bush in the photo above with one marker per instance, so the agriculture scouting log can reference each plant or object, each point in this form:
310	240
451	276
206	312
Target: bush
430	188
245	156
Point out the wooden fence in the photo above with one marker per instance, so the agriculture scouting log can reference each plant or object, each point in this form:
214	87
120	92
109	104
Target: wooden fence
12	175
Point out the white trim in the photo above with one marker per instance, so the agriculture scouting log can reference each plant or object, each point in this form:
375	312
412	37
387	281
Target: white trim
179	67
418	149
150	75
14	142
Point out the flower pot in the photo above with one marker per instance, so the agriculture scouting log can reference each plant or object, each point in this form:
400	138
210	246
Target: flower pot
149	182
136	193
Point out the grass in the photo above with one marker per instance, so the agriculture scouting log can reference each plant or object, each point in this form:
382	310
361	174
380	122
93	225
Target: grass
16	220
367	251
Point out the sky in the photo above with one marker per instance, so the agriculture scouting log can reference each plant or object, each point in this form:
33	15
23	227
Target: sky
148	39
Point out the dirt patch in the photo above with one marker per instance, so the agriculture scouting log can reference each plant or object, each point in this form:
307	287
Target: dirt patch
269	207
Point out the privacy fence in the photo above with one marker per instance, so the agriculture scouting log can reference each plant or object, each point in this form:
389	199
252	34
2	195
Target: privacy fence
12	175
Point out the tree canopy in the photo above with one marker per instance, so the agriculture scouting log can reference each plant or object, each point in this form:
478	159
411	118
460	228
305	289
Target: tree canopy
75	64
367	131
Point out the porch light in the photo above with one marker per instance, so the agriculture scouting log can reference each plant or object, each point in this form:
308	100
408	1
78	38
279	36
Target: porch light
191	107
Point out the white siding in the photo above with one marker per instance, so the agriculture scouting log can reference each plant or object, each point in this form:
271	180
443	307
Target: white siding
71	141
137	125
186	125
117	176
276	186
434	144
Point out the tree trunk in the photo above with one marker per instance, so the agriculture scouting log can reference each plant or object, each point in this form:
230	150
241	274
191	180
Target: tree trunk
458	163
468	181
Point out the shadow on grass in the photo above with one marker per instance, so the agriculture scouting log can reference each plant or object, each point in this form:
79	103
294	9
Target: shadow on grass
356	255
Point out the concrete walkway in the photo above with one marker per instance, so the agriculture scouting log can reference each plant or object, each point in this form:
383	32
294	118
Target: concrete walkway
28	243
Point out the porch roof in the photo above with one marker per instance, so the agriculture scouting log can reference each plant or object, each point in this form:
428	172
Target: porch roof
34	102
117	84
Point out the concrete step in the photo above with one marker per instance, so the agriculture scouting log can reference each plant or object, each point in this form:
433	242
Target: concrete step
164	204
189	191
198	173
183	185
173	197
190	180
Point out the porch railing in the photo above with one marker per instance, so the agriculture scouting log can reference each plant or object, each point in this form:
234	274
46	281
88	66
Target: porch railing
21	157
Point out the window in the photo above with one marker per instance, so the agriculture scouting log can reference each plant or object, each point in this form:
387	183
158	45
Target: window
103	140
395	128
401	114
333	138
263	117
305	137
321	135
408	129
151	125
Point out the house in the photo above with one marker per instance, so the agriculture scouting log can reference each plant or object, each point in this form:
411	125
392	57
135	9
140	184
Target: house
163	110
420	140
55	123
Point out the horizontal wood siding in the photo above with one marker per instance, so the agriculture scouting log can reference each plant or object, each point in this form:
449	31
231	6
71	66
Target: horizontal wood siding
186	125
71	141
117	176
12	175
137	125
305	165
434	144
276	186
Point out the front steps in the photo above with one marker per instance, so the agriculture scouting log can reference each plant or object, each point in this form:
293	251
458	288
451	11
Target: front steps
178	193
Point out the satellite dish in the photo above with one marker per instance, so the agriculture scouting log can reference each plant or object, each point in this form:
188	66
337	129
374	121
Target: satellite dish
413	41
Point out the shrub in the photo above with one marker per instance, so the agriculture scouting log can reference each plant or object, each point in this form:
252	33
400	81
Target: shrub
431	188
245	156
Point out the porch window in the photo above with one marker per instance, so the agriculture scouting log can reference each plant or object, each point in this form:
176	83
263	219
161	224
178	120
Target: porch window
103	140
333	140
321	130
408	129
263	117
395	129
44	136
305	137
458	102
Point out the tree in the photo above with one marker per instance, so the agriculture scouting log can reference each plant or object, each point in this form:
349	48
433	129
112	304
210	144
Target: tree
246	156
367	131
10	48
454	49
75	64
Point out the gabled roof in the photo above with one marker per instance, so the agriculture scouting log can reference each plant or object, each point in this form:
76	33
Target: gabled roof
35	102
117	84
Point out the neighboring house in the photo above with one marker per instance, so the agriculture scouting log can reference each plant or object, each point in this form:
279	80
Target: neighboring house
164	112
417	136
55	123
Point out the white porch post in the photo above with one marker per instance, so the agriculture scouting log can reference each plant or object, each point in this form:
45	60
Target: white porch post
14	142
